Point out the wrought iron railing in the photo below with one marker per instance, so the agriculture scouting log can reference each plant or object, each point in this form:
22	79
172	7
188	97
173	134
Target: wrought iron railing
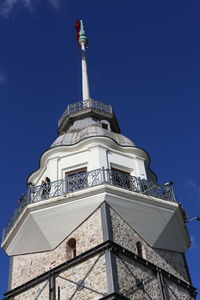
82	105
86	180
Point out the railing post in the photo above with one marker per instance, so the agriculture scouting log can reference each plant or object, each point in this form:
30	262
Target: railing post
89	102
4	234
68	112
172	193
67	185
29	195
64	186
140	184
103	173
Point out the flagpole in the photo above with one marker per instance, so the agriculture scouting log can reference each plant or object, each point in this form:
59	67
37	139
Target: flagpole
85	84
82	39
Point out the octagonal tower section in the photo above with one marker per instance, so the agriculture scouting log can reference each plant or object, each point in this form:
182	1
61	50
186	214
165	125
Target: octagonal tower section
95	223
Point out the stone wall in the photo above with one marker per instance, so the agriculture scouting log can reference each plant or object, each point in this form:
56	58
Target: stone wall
93	274
175	291
26	267
124	235
93	271
94	284
138	282
39	292
130	274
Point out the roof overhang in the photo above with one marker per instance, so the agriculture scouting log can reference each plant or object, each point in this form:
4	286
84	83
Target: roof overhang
44	225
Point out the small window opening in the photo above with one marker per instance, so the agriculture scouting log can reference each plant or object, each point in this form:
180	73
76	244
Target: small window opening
104	125
71	246
139	249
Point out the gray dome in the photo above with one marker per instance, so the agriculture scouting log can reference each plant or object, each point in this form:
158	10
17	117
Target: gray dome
86	128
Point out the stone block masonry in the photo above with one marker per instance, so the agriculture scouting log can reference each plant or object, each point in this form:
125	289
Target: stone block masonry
85	281
26	267
92	278
86	277
138	276
170	261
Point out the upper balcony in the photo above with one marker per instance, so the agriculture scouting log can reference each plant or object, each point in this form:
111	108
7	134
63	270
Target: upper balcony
85	180
85	108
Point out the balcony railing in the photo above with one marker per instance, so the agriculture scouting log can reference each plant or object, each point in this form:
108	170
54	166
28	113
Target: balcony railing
82	105
86	180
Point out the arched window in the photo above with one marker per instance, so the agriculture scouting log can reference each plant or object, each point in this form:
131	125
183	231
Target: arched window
139	249
71	248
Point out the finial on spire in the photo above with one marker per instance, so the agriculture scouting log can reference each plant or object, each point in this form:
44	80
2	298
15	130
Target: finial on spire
80	33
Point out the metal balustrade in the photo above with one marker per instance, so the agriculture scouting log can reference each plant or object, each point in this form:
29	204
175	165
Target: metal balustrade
82	105
86	180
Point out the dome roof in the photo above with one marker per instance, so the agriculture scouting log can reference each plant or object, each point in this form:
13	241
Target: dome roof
86	128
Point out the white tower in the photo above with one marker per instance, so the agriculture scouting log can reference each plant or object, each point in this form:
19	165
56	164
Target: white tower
101	227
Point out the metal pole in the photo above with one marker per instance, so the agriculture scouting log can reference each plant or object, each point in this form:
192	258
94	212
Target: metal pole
58	293
85	84
52	287
161	286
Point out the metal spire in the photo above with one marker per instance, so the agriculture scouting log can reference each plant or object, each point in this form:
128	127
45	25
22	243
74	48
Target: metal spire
83	42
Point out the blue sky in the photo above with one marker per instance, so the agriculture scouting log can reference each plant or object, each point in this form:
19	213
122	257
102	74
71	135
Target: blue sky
143	59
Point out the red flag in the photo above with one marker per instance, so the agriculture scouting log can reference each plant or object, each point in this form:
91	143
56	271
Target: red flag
77	26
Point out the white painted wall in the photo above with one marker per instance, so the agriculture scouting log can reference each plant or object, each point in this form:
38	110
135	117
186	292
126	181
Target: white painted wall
93	153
